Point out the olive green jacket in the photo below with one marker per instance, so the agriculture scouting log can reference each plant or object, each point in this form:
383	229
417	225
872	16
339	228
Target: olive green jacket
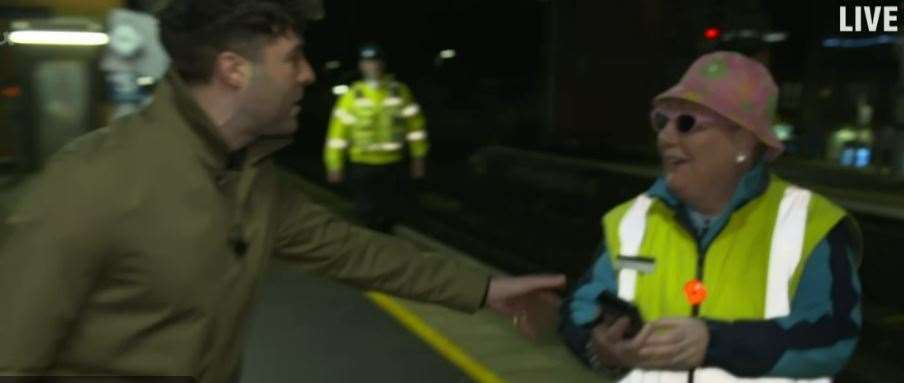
137	250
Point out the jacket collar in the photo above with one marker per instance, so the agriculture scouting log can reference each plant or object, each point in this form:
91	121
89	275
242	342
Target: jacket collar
174	103
752	185
383	82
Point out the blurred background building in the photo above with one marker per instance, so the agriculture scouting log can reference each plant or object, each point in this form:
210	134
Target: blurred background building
555	75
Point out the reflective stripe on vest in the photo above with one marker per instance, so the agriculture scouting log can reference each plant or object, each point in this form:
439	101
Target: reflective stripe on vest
345	116
380	147
787	246
785	254
411	111
630	231
705	375
336	143
417	136
392	101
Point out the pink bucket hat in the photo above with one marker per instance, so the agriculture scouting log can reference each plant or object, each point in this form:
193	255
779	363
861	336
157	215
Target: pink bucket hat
738	88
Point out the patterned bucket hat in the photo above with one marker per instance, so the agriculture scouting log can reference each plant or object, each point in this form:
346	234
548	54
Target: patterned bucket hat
738	88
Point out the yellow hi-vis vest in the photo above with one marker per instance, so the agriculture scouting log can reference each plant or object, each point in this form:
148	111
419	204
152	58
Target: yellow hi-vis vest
751	269
374	124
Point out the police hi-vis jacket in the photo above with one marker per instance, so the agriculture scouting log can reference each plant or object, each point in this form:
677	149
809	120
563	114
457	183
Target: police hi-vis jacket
373	123
783	297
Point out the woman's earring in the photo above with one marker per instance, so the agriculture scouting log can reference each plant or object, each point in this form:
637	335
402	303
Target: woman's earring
741	158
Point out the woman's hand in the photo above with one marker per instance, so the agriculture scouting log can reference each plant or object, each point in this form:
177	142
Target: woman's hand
612	349
674	344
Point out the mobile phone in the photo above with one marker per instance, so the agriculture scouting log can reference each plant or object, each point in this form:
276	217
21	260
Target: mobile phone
612	308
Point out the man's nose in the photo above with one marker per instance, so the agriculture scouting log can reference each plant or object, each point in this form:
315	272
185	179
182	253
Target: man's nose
306	76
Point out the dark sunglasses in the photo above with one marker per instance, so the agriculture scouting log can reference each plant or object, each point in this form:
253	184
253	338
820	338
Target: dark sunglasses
684	122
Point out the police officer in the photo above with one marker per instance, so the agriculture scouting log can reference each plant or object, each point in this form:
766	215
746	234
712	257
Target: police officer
373	123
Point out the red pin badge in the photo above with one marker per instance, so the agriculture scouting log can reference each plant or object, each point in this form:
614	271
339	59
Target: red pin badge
695	292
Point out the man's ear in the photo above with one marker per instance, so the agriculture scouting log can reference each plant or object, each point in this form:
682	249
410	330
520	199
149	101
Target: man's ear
233	70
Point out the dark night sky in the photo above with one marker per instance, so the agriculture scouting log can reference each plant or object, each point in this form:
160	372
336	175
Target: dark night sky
491	37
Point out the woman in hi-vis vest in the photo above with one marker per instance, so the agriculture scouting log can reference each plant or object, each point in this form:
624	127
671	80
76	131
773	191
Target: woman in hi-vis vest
737	274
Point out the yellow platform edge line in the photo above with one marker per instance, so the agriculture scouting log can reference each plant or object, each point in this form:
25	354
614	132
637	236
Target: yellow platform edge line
440	343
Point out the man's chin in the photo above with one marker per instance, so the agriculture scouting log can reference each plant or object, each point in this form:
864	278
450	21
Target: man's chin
286	129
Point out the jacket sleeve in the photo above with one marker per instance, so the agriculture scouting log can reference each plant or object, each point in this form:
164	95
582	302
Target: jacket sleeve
325	244
819	335
337	141
51	250
580	310
416	136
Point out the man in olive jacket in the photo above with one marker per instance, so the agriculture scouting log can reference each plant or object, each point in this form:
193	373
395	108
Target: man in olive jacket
137	249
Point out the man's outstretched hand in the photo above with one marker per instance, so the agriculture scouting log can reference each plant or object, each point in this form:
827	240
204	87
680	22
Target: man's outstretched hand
530	301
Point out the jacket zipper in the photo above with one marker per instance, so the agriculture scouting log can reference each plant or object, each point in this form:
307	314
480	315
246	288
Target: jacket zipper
695	309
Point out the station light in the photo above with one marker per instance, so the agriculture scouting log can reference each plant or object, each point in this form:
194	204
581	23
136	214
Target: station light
447	54
712	33
340	89
43	37
11	91
145	81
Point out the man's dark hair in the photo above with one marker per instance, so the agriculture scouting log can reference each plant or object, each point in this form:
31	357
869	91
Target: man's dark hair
194	32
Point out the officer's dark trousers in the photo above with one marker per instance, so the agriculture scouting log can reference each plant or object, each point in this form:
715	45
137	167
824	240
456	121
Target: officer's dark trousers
379	191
